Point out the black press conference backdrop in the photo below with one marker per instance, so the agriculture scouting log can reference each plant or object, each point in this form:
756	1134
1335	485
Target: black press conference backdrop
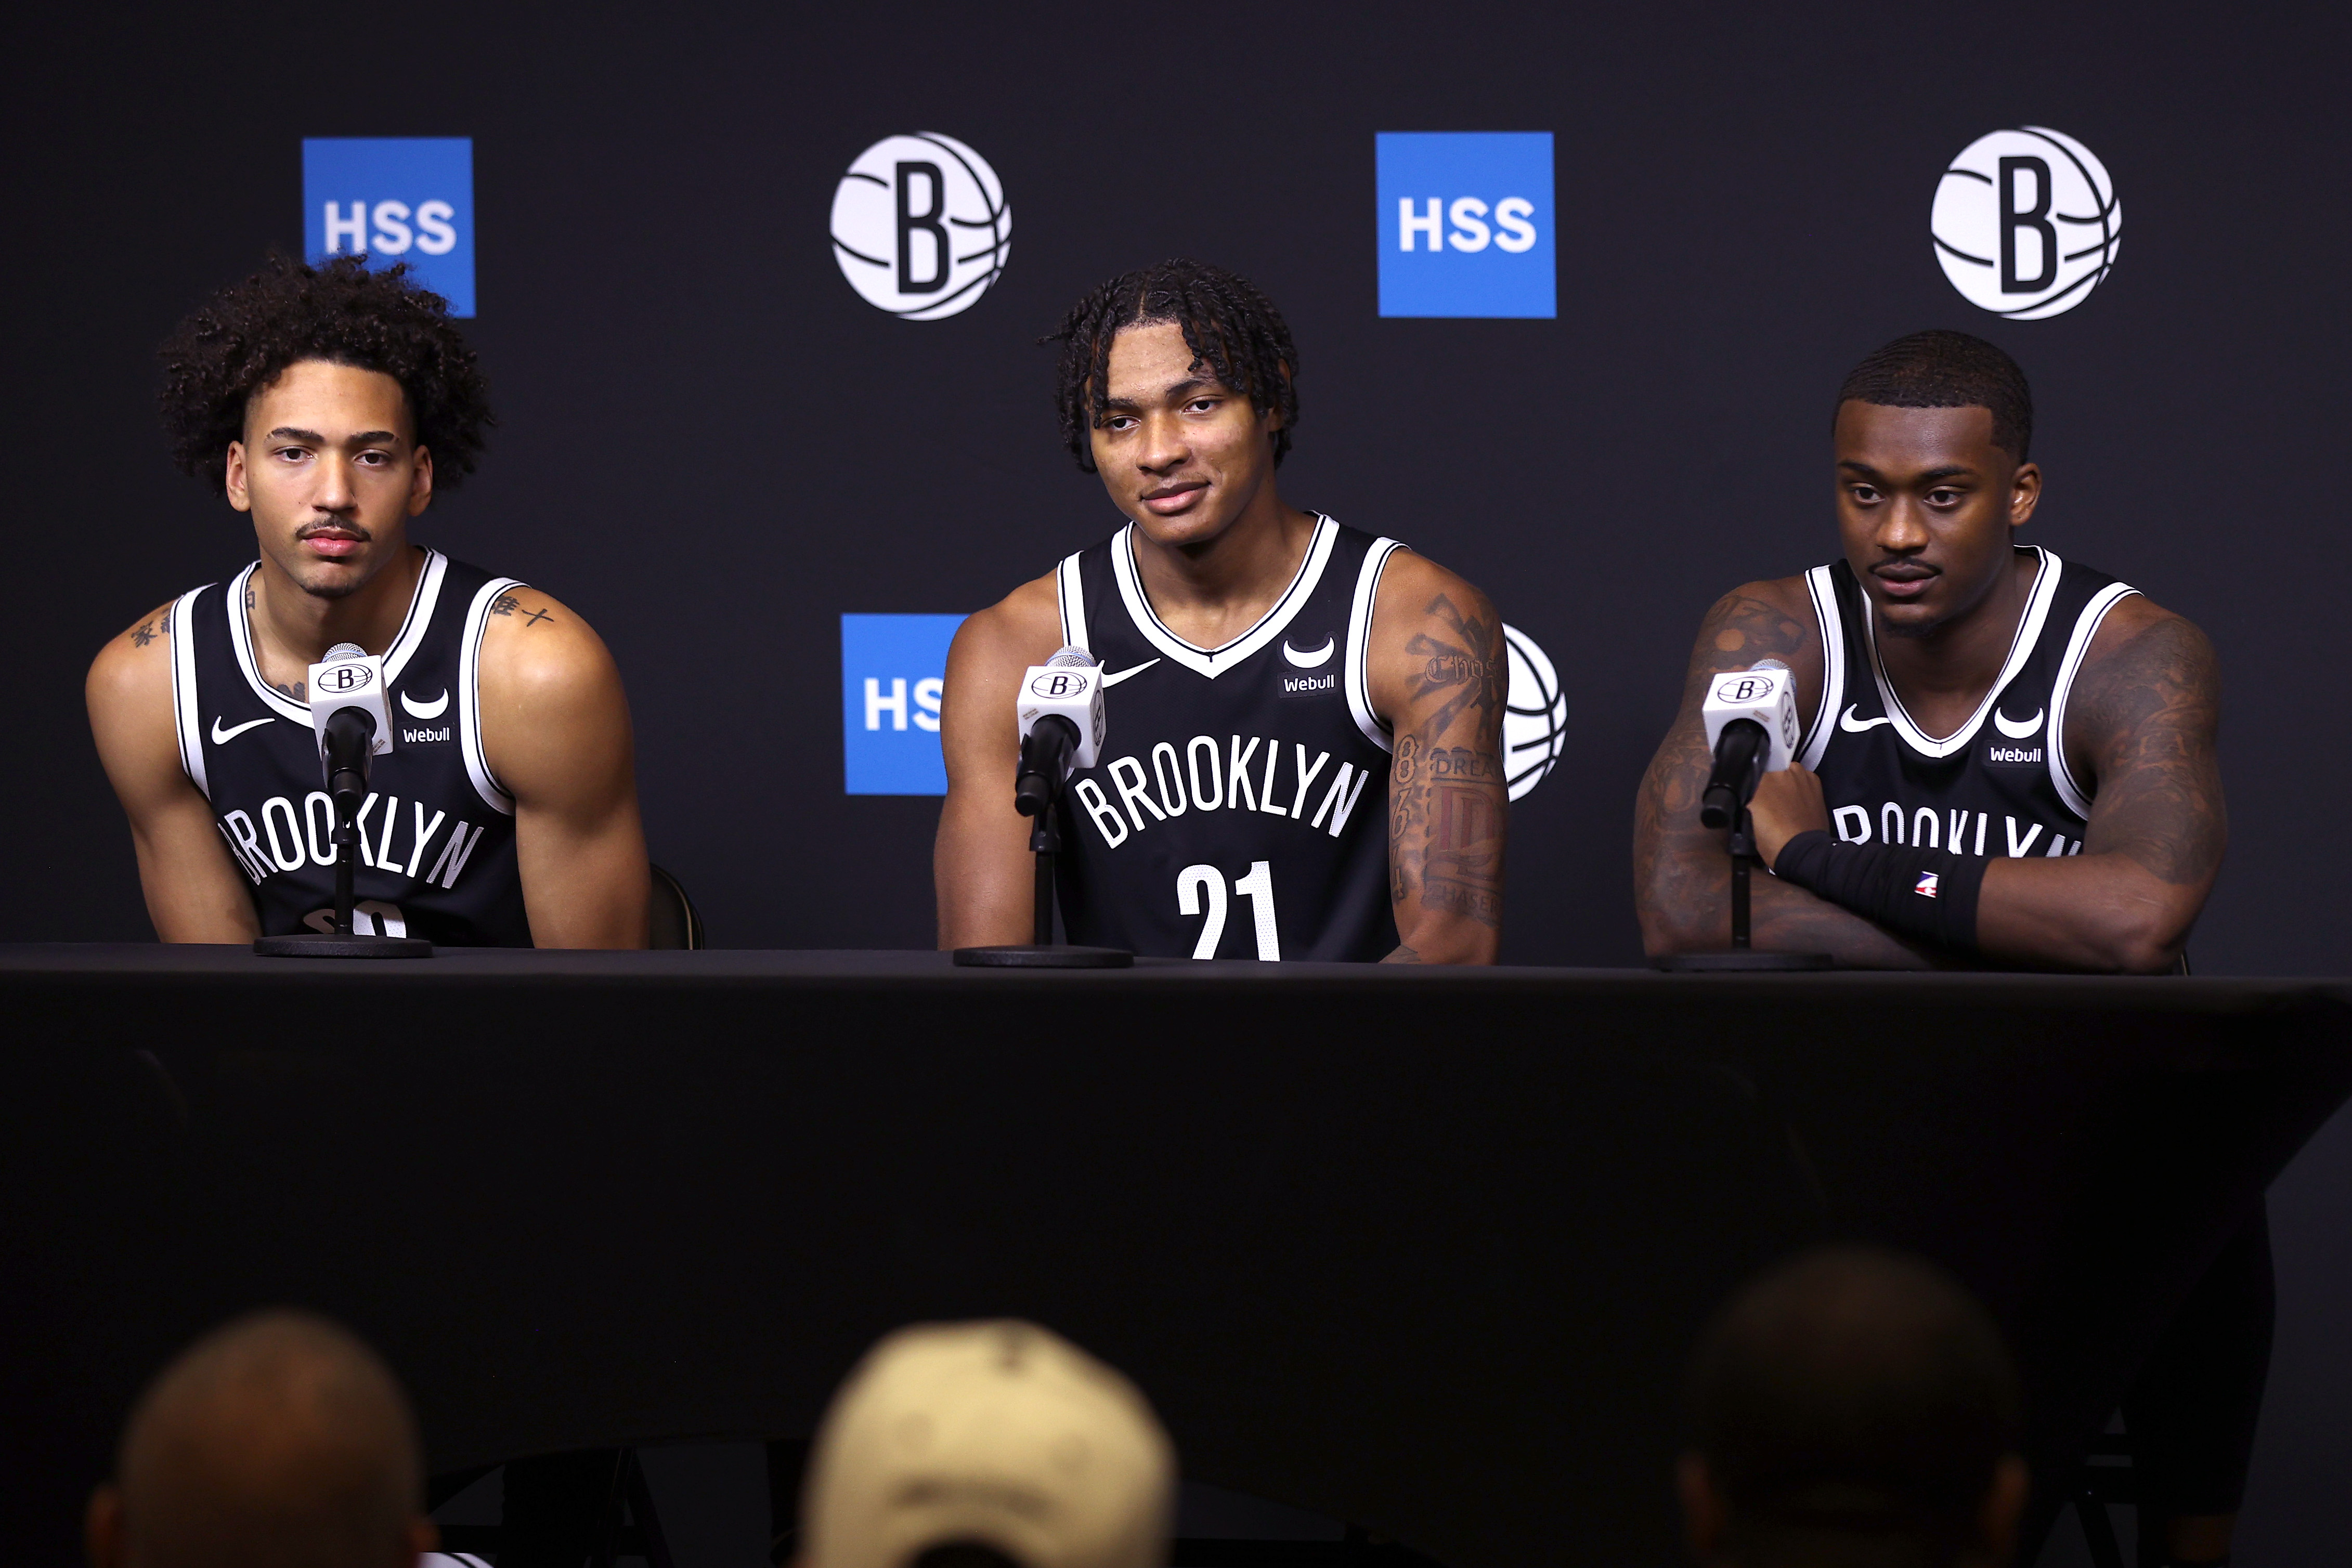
712	447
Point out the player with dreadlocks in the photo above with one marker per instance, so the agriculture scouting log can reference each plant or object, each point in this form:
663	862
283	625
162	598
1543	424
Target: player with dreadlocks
330	404
1272	669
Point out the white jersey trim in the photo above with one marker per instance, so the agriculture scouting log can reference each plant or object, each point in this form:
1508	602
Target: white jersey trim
1070	589
1359	642
1213	662
405	643
2086	626
187	719
411	635
2021	649
1823	588
469	703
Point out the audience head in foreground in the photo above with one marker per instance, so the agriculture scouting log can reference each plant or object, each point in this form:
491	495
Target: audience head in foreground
983	1446
278	1441
1855	1410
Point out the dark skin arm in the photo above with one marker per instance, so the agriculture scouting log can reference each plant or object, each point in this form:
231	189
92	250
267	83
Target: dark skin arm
1682	877
1438	676
2142	730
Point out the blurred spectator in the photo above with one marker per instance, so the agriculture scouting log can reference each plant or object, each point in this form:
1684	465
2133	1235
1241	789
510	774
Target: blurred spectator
278	1441
1855	1410
991	1444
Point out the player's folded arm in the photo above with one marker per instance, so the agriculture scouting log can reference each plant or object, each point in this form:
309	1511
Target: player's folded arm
2149	701
556	733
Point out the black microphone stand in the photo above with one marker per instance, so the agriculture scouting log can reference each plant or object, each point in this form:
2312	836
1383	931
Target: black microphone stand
1739	769
1037	795
350	738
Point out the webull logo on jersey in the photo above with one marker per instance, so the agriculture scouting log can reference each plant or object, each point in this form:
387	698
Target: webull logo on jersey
2020	745
289	835
407	198
893	675
1465	223
1213	775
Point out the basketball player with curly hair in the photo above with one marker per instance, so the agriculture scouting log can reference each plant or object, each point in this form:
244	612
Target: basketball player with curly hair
330	405
1304	721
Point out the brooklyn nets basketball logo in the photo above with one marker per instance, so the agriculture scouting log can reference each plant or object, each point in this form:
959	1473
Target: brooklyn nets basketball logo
2026	223
1535	715
921	226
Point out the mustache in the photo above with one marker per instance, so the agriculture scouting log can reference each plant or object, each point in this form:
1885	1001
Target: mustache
334	525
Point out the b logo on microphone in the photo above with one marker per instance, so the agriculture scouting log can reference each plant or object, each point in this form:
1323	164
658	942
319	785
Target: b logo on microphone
1745	689
1060	683
345	677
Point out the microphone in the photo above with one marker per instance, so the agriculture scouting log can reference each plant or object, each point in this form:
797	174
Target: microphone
1751	729
349	717
1061	711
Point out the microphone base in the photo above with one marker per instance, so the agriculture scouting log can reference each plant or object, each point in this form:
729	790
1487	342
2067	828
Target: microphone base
1034	956
1742	961
353	947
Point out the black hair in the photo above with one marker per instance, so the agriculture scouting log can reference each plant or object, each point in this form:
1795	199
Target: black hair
1853	1396
1229	325
1949	369
245	335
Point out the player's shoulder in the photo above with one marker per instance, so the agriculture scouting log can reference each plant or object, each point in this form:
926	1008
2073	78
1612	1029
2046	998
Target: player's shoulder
1415	588
533	641
136	664
1020	629
2141	644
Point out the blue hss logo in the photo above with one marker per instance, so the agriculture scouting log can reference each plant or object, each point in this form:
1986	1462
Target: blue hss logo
395	199
1466	222
893	671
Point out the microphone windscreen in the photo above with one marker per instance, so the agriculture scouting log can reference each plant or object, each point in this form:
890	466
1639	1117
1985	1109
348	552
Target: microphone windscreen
1069	658
343	651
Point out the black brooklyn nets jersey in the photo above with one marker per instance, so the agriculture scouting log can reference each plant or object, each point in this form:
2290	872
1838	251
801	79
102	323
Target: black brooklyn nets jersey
436	851
1239	807
1999	785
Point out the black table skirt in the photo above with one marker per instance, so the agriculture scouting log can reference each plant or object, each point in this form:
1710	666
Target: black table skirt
1420	1250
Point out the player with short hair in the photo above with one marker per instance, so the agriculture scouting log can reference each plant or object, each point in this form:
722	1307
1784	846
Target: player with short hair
330	404
2011	757
2010	760
1278	685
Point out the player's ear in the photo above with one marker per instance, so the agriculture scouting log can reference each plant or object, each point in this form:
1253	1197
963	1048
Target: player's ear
232	478
2024	494
420	481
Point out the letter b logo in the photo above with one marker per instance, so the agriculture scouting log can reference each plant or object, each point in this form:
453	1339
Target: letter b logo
2026	223
920	227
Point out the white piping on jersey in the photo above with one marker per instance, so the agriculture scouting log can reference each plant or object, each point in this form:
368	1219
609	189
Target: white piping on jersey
404	643
469	704
186	719
1360	641
1070	589
2020	648
2086	626
1215	662
1823	588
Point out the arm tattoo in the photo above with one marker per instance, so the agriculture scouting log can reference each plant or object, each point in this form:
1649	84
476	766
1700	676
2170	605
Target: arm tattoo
2153	709
1447	803
143	633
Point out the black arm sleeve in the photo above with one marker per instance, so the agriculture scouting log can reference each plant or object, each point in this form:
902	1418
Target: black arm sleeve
1928	895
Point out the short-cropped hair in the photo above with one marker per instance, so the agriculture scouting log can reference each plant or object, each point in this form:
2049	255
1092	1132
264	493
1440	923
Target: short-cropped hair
1947	370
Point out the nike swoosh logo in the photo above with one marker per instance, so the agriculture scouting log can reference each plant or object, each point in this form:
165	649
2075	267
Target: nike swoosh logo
2016	729
1312	659
1137	669
433	709
223	737
1852	726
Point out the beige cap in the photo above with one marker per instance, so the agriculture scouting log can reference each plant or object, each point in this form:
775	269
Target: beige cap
995	1432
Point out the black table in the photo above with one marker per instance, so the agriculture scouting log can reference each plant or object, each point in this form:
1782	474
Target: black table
1423	1249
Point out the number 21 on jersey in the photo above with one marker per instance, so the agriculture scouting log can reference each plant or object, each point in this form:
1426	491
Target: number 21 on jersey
1200	890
